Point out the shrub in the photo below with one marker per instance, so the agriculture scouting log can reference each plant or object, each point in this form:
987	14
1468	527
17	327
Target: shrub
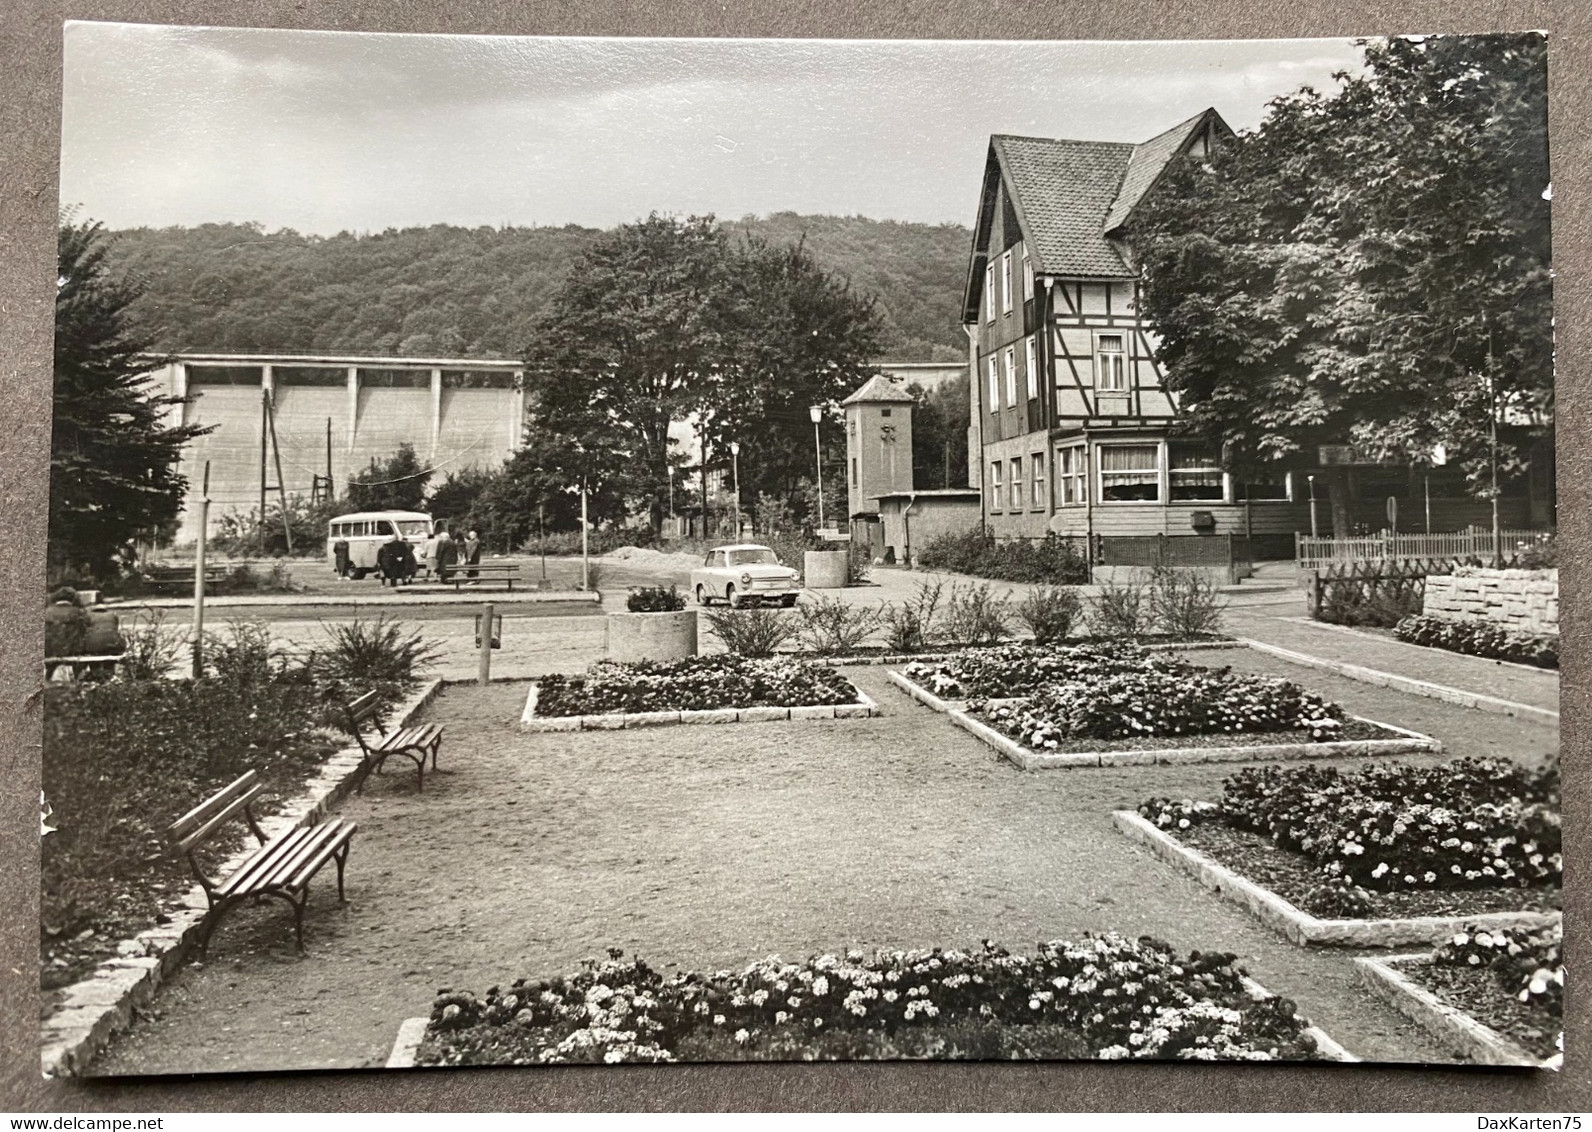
655	599
1013	670
751	632
1120	609
242	655
910	625
858	566
1481	638
1378	603
974	616
378	654
152	647
1528	966
1185	603
1052	559
1540	554
1050	612
830	626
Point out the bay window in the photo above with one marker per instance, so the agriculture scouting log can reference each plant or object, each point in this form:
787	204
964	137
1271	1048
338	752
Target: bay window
1072	469
1130	473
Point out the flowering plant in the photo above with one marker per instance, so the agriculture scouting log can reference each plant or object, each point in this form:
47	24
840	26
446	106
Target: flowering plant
1154	703
1014	670
1106	995
692	683
1527	965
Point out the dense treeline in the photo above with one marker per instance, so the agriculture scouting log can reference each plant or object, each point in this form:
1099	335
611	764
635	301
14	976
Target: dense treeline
445	290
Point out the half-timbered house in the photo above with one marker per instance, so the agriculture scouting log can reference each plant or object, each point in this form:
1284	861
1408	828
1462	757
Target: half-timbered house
1073	429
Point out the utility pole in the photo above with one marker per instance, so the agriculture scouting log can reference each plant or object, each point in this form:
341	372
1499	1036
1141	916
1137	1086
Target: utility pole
585	542
735	478
199	579
1492	421
331	492
265	438
276	452
816	412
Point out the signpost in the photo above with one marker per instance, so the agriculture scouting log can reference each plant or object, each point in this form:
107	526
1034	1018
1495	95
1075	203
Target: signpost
488	636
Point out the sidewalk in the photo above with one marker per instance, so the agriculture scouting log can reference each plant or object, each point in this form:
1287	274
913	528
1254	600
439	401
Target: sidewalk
1478	676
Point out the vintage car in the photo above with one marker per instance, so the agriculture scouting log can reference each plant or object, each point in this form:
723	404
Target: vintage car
744	573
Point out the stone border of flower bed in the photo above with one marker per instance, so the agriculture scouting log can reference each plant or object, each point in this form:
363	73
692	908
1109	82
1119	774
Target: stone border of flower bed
1027	759
1380	679
1477	1041
1299	926
96	1008
862	707
412	1032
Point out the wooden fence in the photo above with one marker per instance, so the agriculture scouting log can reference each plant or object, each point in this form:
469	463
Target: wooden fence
1437	552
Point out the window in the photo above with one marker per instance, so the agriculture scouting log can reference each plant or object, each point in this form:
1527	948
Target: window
989	293
1017	483
994	387
1009	365
1028	276
1195	472
1037	480
1130	473
884	412
1264	484
1110	363
995	484
1033	369
853	471
1006	283
1071	473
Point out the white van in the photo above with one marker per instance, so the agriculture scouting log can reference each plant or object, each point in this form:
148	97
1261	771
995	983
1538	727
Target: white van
366	531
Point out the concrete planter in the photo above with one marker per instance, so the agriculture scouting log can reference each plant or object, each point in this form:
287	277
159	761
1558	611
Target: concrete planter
824	569
650	636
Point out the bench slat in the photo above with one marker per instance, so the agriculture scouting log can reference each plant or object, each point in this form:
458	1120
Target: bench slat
206	831
306	870
200	813
307	848
364	707
247	879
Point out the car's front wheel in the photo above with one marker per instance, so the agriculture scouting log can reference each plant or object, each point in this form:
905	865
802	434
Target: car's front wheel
731	596
702	596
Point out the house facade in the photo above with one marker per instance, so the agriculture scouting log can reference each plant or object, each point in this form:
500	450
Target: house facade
1071	422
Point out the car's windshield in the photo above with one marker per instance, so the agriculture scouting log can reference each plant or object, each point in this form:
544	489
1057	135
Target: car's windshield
756	557
414	527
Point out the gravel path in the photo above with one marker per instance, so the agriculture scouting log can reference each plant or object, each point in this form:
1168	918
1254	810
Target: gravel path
712	846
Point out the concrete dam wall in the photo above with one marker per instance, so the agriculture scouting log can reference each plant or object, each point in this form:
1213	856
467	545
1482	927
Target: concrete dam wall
455	413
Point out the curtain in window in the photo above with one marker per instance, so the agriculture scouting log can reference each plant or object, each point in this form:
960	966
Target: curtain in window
1129	472
1195	472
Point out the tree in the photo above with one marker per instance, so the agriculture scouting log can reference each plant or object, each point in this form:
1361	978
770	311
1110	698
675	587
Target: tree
939	434
1367	268
397	483
113	458
664	322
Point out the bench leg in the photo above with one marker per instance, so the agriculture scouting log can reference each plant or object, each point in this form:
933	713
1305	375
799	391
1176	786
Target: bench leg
341	859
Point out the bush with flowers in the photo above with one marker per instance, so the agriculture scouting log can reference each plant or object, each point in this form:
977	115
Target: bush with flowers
1527	966
1105	997
1156	703
1464	824
692	683
1004	671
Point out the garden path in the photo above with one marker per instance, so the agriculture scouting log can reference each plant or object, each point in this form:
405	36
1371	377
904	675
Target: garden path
712	846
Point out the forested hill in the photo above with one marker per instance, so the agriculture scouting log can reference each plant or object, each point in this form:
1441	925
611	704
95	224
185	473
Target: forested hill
478	291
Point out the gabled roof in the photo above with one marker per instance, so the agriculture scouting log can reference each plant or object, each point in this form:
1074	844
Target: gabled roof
879	389
1070	196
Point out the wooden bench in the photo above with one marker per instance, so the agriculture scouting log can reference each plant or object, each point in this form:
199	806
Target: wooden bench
166	576
84	667
413	743
281	867
459	573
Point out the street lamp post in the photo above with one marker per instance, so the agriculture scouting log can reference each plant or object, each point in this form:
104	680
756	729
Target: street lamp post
1314	533
816	412
735	474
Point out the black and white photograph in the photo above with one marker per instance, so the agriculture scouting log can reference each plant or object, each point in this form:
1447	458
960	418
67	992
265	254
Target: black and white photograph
635	550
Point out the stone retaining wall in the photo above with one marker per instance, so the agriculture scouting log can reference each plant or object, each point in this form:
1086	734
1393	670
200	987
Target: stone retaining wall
1523	600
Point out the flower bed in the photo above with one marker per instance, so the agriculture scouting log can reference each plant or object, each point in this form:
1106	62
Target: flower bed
1387	839
1497	993
122	761
1105	997
698	683
1480	638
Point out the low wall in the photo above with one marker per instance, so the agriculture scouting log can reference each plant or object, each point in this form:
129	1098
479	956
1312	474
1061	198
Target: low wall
1524	600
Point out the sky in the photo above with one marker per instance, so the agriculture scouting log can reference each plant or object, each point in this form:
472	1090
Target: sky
325	132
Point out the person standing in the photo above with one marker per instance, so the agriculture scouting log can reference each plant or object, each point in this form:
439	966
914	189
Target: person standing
447	554
428	551
471	549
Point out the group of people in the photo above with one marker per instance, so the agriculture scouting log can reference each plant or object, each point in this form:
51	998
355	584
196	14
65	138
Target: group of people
443	552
